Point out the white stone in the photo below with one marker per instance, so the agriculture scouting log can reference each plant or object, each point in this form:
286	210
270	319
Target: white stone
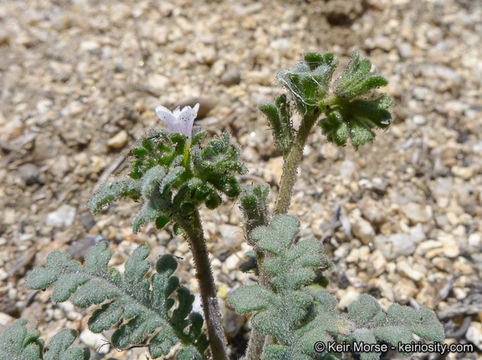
474	334
418	213
350	295
232	262
95	341
408	270
363	230
119	140
63	216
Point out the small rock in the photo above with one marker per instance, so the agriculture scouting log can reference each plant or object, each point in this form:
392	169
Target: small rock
179	47
79	248
63	216
29	173
419	120
405	50
463	172
232	262
428	245
273	169
197	304
206	104
404	290
357	255
383	42
232	321
6	319
12	129
347	169
231	77
349	295
231	235
372	211
395	245
377	263
475	241
449	246
87	221
206	55
118	141
260	77
329	151
408	270
474	334
95	341
363	230
443	264
4	37
418	213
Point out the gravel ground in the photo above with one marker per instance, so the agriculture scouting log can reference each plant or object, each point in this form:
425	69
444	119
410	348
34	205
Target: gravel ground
79	82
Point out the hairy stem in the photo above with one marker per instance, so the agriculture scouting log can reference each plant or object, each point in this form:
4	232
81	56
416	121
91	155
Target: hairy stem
288	179
291	162
212	315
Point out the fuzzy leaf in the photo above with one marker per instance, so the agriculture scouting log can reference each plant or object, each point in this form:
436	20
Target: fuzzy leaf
111	192
253	205
350	114
396	325
19	343
146	305
279	117
281	310
356	120
308	82
59	347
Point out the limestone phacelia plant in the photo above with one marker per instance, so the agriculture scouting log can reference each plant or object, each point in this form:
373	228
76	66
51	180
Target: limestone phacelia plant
174	172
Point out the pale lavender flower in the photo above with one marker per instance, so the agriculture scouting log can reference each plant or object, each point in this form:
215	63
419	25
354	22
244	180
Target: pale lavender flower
178	121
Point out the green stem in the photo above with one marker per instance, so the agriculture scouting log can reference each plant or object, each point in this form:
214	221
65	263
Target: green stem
288	179
212	315
290	166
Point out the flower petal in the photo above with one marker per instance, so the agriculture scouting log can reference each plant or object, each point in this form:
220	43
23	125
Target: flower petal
166	115
186	119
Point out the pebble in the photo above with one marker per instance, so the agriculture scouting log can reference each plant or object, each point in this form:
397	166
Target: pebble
404	290
418	213
119	140
405	50
449	246
232	262
409	270
395	245
5	319
231	235
29	173
419	119
206	55
372	210
63	216
347	169
463	172
4	37
329	151
474	334
231	77
95	341
349	295
377	263
363	230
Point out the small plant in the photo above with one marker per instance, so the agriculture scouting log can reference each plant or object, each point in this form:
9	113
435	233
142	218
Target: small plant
173	174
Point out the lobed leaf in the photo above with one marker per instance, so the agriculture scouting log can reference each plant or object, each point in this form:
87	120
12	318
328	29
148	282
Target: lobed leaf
19	343
145	306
